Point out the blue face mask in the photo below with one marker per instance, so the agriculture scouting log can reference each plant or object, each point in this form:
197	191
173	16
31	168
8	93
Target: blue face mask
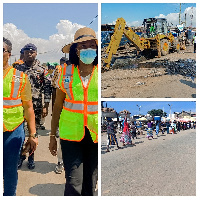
87	56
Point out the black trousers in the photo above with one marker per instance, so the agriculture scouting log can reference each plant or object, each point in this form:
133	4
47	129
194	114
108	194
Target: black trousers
194	47
81	166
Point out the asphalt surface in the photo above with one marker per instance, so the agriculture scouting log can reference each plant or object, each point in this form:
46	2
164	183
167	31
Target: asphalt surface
41	181
164	166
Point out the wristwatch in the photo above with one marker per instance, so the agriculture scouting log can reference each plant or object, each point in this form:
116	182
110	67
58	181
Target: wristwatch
34	135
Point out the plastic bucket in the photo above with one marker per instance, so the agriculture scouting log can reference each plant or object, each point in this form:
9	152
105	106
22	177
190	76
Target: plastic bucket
157	118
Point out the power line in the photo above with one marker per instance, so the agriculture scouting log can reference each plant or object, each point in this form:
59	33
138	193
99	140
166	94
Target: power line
92	20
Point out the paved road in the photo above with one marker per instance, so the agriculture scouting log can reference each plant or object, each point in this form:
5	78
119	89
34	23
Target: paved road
164	166
42	181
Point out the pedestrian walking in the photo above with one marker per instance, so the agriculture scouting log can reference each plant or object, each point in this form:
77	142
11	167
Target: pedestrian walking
194	125
112	139
173	127
168	126
126	137
17	105
76	112
157	127
194	42
39	85
133	130
178	126
149	129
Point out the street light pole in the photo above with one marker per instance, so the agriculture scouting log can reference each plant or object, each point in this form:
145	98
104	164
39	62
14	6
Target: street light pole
170	109
180	15
139	108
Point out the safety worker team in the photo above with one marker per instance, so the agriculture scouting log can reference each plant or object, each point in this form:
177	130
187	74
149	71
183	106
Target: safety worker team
75	113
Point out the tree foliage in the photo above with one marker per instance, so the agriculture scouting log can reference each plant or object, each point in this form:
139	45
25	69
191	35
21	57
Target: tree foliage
158	112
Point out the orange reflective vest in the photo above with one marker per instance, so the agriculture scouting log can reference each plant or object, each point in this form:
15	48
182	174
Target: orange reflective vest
14	82
80	108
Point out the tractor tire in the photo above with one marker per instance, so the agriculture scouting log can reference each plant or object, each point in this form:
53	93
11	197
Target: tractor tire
164	44
176	46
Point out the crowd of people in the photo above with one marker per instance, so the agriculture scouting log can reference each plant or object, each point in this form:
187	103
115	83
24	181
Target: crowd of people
72	86
129	131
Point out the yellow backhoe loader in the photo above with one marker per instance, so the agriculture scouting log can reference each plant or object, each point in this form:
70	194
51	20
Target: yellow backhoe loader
154	37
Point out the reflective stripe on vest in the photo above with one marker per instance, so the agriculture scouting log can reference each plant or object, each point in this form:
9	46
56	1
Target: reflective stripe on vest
80	106
18	82
92	108
74	106
12	102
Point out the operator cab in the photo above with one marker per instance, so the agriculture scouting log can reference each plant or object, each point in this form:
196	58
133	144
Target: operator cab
154	26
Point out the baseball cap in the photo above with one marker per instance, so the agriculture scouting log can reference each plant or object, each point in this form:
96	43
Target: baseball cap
30	46
22	51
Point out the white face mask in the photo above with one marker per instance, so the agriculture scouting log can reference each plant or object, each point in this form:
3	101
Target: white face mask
87	56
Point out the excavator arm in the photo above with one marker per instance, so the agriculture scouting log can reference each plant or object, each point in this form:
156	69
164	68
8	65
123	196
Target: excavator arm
134	38
116	38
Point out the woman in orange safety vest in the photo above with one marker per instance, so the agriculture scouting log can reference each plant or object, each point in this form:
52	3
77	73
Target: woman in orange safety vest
76	113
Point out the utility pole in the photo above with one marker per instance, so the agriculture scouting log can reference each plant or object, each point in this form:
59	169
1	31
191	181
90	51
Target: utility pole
163	111
185	18
180	15
191	16
170	109
139	108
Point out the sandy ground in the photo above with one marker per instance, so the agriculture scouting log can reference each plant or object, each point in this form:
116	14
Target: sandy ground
149	82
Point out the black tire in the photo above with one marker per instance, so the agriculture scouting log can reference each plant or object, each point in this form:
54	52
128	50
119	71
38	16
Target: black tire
176	46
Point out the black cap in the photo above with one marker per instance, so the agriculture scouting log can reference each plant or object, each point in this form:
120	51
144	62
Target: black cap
22	51
30	46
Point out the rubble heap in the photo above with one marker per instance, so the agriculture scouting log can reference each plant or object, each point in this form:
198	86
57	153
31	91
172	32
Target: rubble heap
182	67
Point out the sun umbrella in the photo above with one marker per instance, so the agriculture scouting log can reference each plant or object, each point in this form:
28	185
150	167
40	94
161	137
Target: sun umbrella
142	119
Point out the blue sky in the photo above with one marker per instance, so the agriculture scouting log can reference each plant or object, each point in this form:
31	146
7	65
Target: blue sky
138	11
176	106
40	19
49	26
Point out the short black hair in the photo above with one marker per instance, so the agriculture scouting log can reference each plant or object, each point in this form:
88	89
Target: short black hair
8	43
73	58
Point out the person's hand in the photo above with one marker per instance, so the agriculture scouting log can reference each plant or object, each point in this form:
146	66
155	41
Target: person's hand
33	143
44	111
53	145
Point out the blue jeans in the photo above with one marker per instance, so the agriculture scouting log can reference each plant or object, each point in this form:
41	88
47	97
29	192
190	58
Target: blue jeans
12	143
157	129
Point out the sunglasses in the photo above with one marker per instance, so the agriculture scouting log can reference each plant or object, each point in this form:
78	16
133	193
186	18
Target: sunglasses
4	50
